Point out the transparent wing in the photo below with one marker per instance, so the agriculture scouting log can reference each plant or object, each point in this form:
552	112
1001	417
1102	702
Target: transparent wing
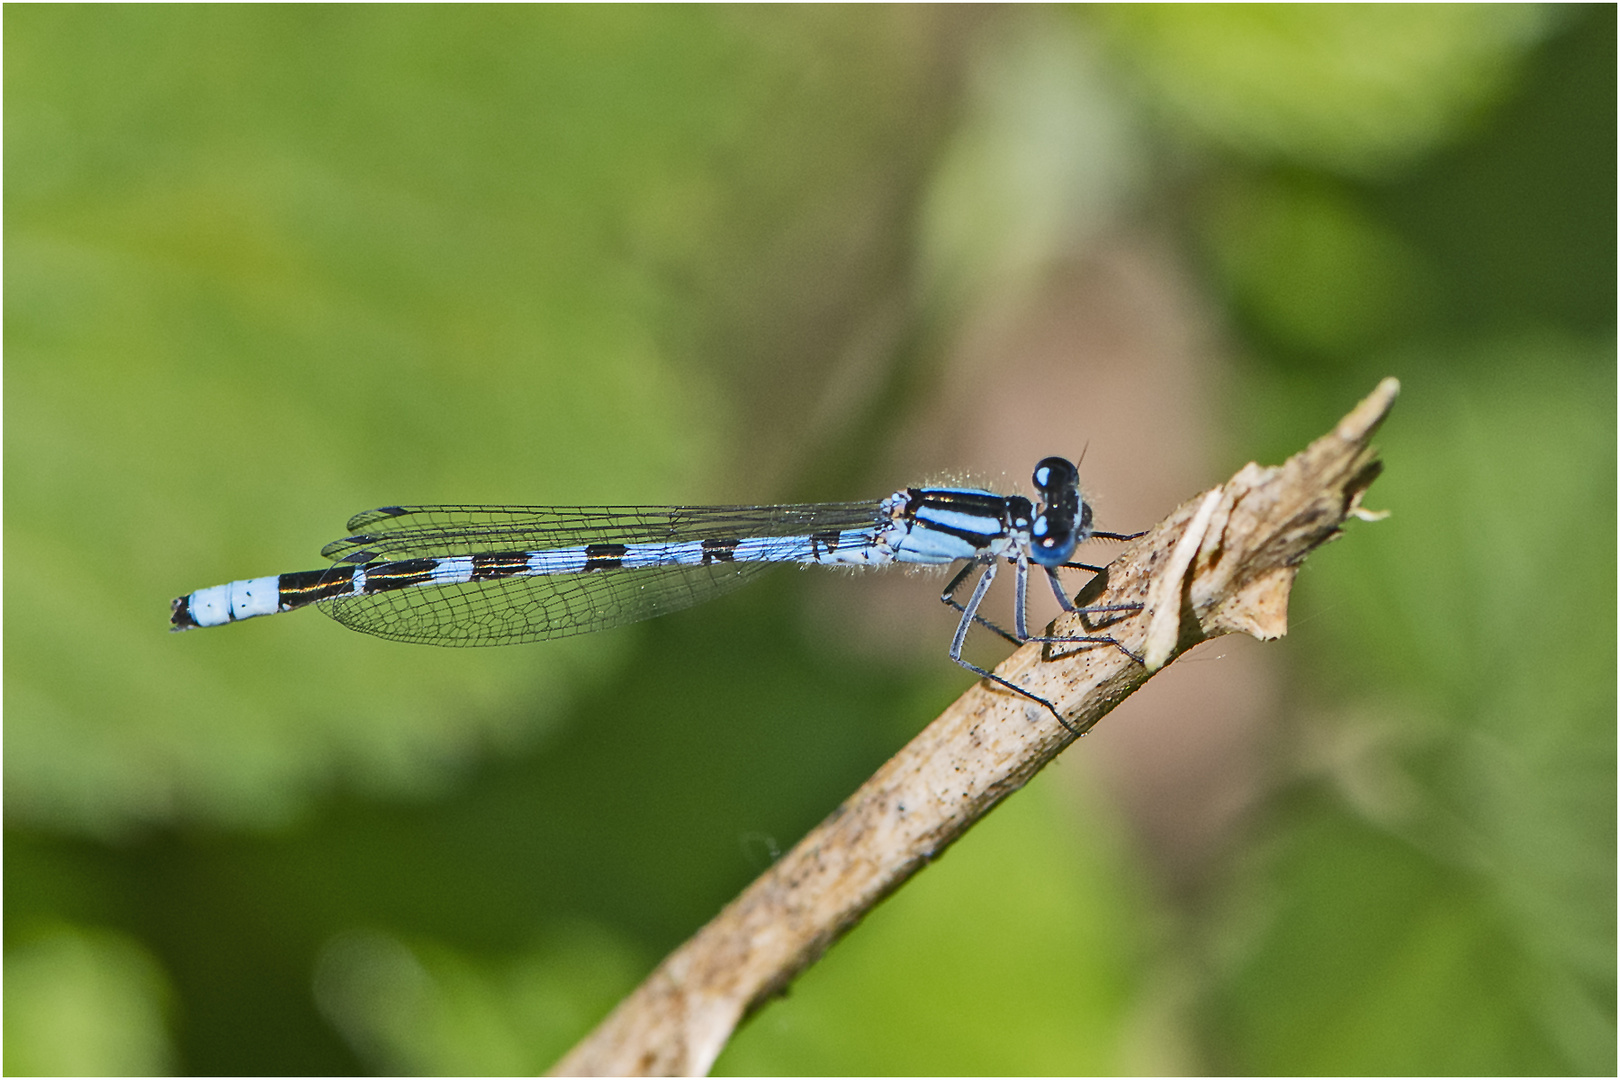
508	611
408	532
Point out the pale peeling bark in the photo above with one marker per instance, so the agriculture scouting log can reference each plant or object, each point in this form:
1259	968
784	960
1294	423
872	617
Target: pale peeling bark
1224	561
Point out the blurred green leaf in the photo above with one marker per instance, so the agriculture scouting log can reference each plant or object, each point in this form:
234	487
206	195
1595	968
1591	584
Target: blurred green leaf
1469	640
1352	89
85	1002
1373	959
430	1009
267	268
1046	154
1316	271
1022	952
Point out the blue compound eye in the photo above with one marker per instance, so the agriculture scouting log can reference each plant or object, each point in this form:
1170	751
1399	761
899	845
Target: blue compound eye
1052	540
1053	536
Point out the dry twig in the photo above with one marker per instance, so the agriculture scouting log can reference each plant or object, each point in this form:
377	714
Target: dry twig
1222	562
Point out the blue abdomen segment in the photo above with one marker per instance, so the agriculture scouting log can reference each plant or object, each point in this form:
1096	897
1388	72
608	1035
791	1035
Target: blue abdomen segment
228	603
247	599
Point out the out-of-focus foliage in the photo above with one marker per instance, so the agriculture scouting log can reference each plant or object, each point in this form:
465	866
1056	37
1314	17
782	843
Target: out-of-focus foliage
265	266
429	1009
1446	859
1044	156
269	266
88	1003
1348	89
1017	870
1353	281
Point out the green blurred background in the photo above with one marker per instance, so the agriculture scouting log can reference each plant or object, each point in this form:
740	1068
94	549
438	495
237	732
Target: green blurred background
269	266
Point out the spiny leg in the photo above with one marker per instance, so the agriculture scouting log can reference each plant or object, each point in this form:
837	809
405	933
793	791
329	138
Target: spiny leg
1068	606
1023	637
969	615
1058	590
1021	600
971	610
949	600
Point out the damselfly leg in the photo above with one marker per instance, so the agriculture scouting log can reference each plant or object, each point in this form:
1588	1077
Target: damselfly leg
1021	636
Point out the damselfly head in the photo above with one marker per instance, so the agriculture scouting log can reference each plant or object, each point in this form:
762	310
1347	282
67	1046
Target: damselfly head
1065	519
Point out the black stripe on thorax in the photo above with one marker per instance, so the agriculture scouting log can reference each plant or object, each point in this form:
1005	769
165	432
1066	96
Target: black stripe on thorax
604	556
979	504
